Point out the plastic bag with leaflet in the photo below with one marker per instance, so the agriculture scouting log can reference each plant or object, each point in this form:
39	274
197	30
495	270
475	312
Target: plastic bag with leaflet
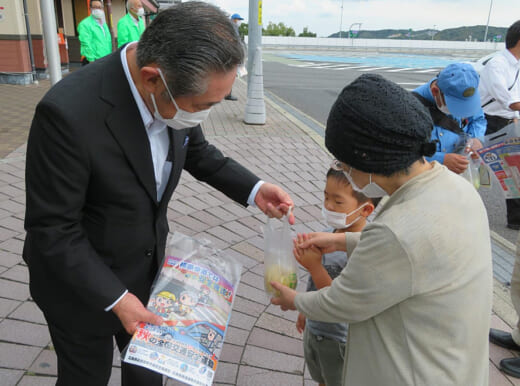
194	293
279	262
501	156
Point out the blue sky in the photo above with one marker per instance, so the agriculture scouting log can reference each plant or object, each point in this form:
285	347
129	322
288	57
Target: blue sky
324	16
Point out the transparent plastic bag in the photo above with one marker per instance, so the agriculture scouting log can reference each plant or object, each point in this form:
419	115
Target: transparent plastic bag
472	172
194	292
279	262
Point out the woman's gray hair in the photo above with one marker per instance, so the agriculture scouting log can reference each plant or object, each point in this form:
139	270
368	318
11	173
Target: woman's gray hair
190	41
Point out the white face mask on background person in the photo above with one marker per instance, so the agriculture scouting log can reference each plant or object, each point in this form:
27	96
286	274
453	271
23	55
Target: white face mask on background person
98	14
182	119
140	12
338	220
371	190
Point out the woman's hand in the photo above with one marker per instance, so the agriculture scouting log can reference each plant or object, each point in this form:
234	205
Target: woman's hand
286	298
326	242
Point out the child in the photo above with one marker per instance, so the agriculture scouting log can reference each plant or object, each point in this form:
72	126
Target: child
344	210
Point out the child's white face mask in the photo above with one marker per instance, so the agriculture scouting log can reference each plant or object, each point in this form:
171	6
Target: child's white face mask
338	220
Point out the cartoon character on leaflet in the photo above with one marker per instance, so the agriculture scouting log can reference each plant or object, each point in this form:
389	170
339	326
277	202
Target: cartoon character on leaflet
204	295
210	340
187	300
163	303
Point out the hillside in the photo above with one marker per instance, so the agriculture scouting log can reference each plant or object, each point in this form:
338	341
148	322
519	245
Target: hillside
453	34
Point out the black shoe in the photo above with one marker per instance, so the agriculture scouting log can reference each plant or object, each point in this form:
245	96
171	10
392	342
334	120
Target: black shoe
503	339
230	98
514	226
511	366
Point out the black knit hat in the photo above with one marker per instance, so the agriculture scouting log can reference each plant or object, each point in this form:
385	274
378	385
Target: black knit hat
378	127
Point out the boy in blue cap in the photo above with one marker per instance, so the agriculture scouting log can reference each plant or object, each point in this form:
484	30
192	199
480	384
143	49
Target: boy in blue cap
453	100
236	19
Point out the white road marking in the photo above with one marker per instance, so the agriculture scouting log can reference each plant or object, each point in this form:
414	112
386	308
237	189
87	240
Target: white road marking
402	69
374	69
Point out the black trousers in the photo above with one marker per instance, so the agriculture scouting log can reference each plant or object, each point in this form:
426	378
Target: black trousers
86	360
495	123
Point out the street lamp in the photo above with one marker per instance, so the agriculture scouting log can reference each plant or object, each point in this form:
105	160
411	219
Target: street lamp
341	20
433	32
487	24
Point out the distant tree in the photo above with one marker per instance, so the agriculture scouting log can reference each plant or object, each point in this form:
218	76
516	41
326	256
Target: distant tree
306	33
243	30
279	29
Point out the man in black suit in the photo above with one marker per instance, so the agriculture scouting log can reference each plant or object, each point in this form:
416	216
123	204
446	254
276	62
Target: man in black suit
106	149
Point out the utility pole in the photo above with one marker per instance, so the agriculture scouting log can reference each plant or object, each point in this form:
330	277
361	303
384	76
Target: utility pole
341	20
254	38
50	38
487	24
254	113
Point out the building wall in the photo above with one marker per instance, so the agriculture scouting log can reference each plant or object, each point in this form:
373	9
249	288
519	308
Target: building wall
118	11
14	51
69	29
34	11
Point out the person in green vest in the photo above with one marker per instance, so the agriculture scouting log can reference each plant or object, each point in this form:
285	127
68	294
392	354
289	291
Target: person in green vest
94	36
131	26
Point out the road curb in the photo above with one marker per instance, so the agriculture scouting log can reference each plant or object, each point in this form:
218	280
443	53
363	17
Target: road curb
276	102
507	245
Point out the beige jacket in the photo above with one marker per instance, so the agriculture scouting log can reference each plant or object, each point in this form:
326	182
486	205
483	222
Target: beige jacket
417	290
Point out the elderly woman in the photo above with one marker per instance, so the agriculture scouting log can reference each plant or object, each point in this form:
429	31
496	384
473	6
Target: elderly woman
417	289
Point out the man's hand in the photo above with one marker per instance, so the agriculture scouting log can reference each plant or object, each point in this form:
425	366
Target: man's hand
131	312
309	258
300	323
326	242
457	163
286	298
274	201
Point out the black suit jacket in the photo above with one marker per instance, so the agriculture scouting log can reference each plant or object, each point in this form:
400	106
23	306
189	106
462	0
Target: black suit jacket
94	226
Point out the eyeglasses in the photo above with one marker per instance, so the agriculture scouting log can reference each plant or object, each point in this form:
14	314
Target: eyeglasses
339	166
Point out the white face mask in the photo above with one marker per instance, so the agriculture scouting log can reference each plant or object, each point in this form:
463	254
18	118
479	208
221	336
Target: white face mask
338	220
140	12
182	119
371	190
98	14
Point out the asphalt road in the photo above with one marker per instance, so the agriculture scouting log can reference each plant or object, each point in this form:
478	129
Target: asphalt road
313	89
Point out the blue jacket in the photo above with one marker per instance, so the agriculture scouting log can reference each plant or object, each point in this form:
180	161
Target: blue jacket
448	140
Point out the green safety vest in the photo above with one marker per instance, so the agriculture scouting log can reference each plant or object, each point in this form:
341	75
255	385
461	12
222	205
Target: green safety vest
94	44
128	31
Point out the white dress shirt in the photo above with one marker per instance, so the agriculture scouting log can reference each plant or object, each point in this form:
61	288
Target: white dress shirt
159	145
496	79
156	131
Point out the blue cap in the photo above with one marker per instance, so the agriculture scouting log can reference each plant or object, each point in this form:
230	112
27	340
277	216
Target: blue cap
236	16
459	84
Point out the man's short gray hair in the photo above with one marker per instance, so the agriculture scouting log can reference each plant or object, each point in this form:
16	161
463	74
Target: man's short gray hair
190	41
130	4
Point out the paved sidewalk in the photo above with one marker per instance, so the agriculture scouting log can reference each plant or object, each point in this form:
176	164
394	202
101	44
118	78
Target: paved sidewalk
262	346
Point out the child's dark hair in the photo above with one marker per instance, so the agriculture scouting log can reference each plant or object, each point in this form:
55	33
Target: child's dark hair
339	176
